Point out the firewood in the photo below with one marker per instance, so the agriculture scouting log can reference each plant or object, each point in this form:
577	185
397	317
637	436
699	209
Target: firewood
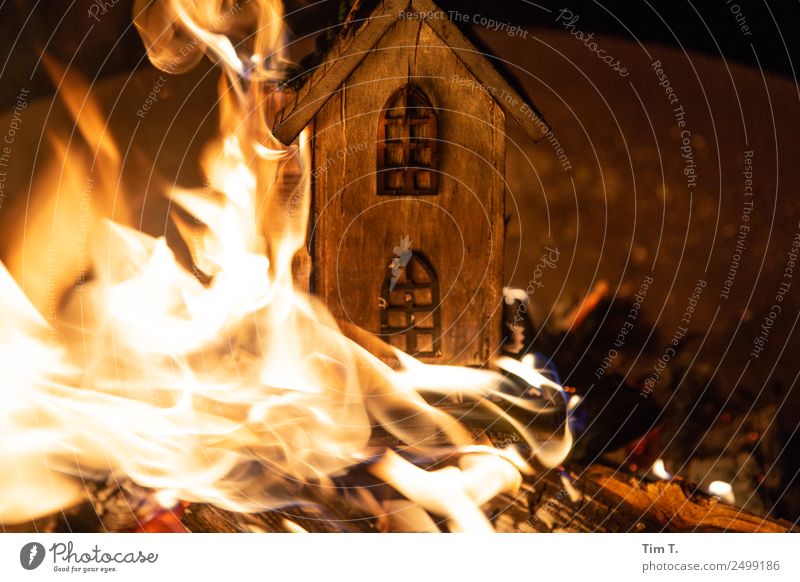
111	505
607	501
332	517
597	499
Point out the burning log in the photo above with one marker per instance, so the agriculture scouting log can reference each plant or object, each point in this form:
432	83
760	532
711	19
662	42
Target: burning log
603	500
598	500
111	505
310	517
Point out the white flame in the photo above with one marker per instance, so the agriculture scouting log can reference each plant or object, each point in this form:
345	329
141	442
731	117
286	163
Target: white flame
723	490
659	471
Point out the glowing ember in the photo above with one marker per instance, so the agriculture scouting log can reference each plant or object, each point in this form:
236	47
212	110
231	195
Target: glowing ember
218	382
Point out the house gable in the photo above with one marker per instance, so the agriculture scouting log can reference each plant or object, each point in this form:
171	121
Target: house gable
360	38
459	228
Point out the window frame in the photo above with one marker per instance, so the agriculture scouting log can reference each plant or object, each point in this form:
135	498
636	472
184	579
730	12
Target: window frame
410	118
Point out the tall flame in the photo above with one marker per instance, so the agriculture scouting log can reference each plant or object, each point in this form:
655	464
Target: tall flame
219	382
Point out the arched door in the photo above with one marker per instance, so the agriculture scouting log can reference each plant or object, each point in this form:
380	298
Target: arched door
410	316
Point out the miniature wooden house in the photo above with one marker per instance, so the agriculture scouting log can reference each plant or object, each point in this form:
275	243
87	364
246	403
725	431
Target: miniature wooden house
408	139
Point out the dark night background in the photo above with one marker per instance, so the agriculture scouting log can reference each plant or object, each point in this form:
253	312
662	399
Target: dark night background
708	374
116	47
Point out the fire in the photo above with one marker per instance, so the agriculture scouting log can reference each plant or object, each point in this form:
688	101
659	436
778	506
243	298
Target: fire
217	381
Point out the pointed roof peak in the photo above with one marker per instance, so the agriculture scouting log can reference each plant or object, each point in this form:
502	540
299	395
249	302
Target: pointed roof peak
364	27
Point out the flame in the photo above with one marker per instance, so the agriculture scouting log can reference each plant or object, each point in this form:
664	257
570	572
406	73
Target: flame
723	490
67	200
659	471
219	382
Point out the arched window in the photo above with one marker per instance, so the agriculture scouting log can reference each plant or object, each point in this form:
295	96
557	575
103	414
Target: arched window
408	161
410	316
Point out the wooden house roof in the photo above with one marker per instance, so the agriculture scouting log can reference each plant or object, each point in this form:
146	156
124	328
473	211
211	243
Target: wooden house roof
360	35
